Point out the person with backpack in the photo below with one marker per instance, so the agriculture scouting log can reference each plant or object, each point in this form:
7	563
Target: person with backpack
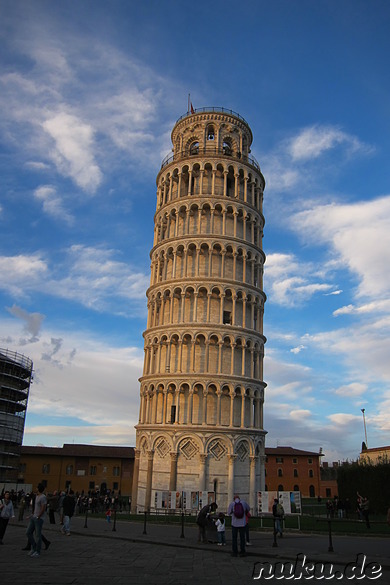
278	514
237	510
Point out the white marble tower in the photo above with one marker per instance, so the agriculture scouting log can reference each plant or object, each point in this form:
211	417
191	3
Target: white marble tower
202	391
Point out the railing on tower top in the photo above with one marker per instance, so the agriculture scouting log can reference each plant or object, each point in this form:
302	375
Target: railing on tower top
16	358
213	109
211	151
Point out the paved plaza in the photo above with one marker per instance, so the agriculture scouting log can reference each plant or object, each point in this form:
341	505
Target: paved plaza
97	555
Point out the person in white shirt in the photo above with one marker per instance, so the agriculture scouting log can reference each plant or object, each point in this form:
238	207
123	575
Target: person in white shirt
220	524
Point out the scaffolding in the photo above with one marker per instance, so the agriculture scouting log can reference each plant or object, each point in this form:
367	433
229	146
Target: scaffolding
15	379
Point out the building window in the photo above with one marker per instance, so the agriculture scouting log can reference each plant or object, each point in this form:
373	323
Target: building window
312	491
310	461
279	459
295	460
296	488
92	470
227	318
69	470
210	133
328	492
280	488
115	485
194	148
311	474
116	471
227	147
91	485
280	472
295	472
22	468
46	468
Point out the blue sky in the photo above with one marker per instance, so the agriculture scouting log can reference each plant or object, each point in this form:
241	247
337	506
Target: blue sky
89	93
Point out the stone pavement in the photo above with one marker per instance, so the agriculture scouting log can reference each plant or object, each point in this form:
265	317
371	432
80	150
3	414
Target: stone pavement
97	555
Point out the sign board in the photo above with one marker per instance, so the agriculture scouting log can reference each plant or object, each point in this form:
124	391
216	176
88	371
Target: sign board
181	500
291	502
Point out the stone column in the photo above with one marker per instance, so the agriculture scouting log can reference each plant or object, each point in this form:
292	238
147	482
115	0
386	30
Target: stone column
173	472
231	459
252	483
134	487
149	476
261	486
202	471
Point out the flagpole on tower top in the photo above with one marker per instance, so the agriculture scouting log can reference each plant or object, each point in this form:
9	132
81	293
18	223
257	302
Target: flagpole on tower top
190	107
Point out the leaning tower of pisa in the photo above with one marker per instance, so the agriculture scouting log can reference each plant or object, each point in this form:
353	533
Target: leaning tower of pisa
202	391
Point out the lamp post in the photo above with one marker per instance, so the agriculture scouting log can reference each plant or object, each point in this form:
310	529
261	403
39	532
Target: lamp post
364	422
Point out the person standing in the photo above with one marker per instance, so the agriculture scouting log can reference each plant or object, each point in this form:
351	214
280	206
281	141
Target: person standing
36	522
6	512
53	506
278	514
68	505
220	524
203	519
237	510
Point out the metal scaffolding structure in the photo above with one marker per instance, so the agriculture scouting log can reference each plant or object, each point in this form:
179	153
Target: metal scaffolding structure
15	379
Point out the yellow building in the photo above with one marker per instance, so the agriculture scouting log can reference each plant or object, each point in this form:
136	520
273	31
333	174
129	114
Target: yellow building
375	455
84	468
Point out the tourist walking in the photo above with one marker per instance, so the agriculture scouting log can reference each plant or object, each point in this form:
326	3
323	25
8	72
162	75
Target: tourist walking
237	510
68	505
36	522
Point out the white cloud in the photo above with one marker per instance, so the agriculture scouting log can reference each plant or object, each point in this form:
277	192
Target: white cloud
298	415
341	418
382	306
292	282
298	349
313	141
87	275
81	378
351	390
359	236
52	203
57	435
22	272
32	321
73	155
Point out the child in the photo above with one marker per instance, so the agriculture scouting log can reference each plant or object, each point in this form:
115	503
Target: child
220	524
108	515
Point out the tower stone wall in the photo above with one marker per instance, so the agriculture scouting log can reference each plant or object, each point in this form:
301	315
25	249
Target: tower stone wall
202	391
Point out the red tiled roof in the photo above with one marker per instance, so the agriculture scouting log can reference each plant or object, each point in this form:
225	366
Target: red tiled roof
289	451
70	450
